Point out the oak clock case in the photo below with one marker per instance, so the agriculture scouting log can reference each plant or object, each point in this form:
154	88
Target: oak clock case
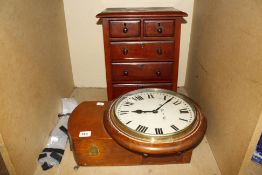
155	121
176	127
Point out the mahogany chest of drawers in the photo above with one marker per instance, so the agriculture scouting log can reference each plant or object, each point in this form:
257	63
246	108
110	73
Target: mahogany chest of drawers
141	48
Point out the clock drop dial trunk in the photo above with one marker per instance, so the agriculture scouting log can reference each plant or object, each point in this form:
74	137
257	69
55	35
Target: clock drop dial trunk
100	149
155	121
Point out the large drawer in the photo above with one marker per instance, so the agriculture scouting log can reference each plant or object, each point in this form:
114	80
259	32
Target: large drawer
142	71
121	29
163	50
159	28
120	89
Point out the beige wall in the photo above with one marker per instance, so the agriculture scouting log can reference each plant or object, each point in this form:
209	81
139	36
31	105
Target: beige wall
225	75
86	42
35	72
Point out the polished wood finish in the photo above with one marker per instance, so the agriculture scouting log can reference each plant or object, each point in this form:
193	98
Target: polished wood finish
177	144
124	28
142	51
132	35
159	28
100	149
119	89
142	72
141	11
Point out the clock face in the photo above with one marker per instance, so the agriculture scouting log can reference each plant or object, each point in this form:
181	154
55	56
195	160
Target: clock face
155	112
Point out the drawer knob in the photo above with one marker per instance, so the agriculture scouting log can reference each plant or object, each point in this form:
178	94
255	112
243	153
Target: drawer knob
125	72
125	29
158	73
142	45
125	51
159	51
159	30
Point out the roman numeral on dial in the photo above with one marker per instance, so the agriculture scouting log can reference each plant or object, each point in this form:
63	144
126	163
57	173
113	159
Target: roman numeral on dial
174	127
138	98
177	102
158	130
141	128
123	112
150	96
182	111
128	103
183	119
128	122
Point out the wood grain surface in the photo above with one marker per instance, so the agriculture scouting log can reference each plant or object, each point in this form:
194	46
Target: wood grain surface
132	35
100	149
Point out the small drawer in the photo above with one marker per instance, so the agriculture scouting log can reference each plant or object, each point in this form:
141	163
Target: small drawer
142	50
120	89
142	71
122	29
158	28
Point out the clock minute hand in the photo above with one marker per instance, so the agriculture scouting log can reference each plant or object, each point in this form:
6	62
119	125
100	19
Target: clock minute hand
163	104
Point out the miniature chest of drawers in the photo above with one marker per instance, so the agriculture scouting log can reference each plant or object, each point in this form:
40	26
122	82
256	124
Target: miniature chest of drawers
141	48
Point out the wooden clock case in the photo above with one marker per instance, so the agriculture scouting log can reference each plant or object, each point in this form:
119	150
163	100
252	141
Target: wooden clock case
100	149
162	145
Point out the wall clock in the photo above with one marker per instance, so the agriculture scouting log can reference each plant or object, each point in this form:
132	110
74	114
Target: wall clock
155	121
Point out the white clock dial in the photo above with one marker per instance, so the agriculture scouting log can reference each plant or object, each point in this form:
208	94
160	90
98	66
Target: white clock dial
155	113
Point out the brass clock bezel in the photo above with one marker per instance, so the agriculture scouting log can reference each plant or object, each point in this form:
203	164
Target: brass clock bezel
155	145
152	138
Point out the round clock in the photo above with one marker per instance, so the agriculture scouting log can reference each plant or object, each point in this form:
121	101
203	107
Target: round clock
155	121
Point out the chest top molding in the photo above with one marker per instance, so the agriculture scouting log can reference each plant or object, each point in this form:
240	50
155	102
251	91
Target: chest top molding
141	12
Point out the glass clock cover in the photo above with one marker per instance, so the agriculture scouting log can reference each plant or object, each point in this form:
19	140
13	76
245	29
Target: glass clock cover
155	121
155	113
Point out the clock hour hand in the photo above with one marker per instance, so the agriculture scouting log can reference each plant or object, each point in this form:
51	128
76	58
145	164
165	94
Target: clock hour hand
139	111
163	104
